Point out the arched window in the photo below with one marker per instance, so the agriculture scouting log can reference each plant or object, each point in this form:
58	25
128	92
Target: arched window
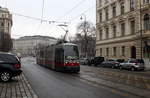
147	22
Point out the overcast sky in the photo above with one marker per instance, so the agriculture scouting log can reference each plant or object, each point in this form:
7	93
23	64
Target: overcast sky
54	10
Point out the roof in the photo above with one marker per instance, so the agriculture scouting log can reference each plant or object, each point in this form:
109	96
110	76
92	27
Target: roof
36	37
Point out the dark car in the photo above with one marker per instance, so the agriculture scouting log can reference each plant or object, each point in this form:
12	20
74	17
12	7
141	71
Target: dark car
96	60
10	66
112	63
133	64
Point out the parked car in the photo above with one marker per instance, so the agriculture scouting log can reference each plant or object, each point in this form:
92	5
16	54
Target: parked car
112	63
133	64
84	61
120	60
96	60
10	66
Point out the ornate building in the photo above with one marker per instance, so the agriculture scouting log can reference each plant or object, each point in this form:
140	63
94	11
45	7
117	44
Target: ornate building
27	45
5	23
123	28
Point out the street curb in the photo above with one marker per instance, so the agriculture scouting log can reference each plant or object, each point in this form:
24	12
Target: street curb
29	86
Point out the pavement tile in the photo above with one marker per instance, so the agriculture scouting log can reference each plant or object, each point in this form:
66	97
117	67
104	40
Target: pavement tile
18	87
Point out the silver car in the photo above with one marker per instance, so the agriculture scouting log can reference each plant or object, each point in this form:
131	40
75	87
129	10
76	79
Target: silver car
84	61
133	64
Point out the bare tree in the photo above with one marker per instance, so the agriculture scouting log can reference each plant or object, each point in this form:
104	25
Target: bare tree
86	35
85	38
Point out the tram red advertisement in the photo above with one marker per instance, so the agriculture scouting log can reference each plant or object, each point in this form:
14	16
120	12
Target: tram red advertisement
59	57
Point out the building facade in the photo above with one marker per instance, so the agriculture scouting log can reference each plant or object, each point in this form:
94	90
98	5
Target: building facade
5	23
27	45
123	28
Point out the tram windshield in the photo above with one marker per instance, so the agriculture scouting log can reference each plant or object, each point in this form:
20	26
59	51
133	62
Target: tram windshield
71	52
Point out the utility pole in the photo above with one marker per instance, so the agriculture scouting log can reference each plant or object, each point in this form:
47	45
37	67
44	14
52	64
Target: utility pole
141	31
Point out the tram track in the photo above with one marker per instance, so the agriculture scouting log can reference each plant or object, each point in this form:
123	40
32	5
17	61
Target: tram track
103	84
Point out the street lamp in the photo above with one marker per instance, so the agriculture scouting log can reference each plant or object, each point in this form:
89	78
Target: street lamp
85	33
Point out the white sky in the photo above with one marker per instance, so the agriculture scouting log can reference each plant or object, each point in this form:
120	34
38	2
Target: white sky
54	10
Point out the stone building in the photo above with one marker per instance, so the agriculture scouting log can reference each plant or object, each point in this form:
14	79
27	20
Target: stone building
5	23
123	28
27	45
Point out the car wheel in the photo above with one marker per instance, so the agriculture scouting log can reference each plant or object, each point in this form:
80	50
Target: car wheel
5	76
120	68
132	69
112	67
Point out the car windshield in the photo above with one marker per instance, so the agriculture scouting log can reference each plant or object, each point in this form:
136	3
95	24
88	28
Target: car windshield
137	61
71	51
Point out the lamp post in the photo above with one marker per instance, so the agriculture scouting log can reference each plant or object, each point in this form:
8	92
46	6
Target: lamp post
85	33
141	31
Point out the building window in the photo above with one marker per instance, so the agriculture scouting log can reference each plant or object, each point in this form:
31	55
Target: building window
107	33
100	16
122	7
114	51
122	29
123	50
100	34
101	51
114	31
114	10
132	26
2	24
132	5
106	14
107	51
106	1
147	22
100	2
146	1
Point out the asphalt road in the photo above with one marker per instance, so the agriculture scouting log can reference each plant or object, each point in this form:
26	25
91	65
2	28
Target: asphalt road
50	84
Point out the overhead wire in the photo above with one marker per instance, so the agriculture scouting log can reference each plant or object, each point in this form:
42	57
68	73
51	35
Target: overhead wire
90	8
71	10
51	21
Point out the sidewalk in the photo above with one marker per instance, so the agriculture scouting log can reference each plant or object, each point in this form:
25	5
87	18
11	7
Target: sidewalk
19	87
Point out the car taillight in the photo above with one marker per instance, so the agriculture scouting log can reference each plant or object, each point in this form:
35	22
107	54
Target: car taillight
17	66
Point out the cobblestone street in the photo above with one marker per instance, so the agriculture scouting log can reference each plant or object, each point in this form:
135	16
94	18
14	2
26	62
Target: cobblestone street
135	79
18	87
136	83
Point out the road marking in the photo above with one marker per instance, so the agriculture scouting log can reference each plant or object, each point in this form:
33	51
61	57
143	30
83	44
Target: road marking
117	92
145	80
148	86
136	78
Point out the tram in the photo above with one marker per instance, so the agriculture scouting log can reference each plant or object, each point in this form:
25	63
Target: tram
59	57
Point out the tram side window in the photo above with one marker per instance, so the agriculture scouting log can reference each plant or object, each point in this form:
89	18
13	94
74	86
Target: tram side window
42	54
59	55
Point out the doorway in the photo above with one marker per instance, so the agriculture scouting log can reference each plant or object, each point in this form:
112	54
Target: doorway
133	52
